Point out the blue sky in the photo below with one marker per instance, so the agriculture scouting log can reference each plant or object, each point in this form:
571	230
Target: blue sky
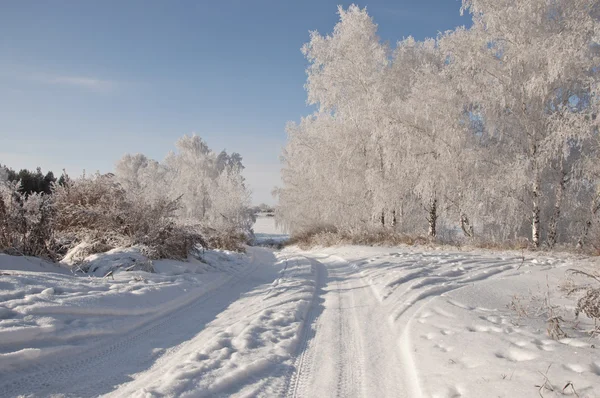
84	82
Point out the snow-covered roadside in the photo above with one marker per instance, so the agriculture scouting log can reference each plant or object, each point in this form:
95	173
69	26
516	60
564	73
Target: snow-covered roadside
250	341
456	333
191	328
45	310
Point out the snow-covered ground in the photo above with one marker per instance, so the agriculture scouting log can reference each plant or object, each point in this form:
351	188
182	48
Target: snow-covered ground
414	323
346	321
190	326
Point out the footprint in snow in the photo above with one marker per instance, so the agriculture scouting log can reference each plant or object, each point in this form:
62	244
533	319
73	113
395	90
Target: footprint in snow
576	367
443	348
484	329
492	319
441	312
516	355
450	392
595	367
544	345
574	342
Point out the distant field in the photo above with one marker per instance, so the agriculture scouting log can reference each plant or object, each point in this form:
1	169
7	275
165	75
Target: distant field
266	232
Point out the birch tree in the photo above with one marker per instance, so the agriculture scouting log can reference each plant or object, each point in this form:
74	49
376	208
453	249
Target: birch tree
491	130
530	57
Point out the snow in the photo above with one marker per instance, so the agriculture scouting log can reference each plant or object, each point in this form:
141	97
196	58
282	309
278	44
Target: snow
451	326
45	309
345	321
250	337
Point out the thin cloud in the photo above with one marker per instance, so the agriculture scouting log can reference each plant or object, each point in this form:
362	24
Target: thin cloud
80	82
87	83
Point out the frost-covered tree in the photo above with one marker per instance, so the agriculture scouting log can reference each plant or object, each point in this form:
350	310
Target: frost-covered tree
209	188
26	221
491	130
3	175
526	61
344	76
194	197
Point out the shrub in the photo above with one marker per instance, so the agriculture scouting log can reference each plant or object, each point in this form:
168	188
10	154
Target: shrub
97	210
26	222
166	208
228	239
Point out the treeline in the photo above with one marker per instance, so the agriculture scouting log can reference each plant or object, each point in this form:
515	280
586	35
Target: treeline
264	208
32	181
195	197
490	133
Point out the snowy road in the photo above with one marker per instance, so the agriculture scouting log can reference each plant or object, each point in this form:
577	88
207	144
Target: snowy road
346	350
110	362
340	322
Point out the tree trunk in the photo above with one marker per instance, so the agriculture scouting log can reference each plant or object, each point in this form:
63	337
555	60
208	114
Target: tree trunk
466	226
432	218
3	224
588	224
535	216
394	220
382	218
553	227
584	234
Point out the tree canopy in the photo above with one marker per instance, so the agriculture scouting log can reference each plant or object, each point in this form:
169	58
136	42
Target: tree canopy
490	131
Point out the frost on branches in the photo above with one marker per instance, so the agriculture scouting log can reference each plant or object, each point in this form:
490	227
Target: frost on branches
488	132
208	187
195	197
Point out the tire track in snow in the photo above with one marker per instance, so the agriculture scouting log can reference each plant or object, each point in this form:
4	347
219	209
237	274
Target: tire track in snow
245	347
350	375
342	335
348	353
354	351
296	381
58	377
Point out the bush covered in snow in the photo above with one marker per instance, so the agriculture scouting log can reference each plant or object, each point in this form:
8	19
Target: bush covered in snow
195	197
97	210
26	222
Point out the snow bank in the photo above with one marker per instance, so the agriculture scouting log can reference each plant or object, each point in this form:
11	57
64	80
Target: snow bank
47	310
31	264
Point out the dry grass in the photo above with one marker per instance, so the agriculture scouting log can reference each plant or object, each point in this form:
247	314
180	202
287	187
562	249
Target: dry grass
328	236
536	306
589	297
232	240
513	244
331	236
